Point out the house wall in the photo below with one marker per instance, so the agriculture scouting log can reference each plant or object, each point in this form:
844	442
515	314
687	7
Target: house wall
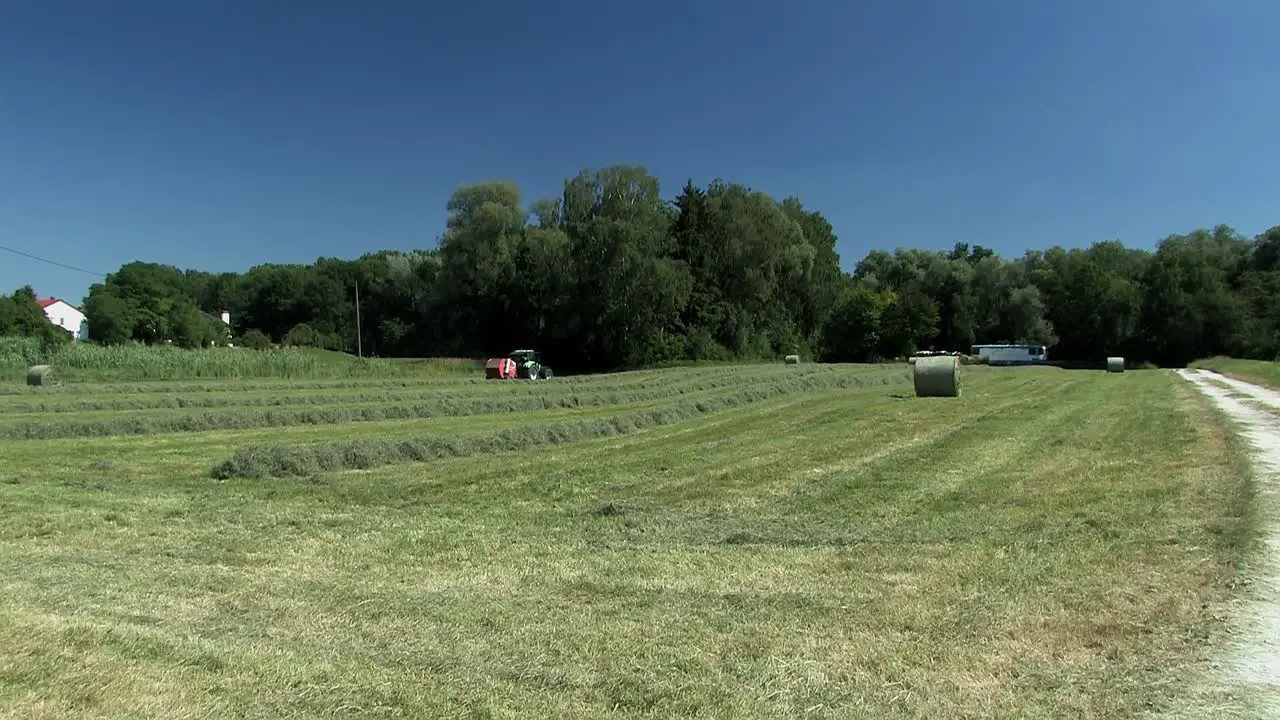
69	319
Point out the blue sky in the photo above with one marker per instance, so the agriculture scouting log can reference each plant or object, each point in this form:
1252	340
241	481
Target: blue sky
220	134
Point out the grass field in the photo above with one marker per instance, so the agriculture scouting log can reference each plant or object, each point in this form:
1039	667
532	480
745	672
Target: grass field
1260	372
768	541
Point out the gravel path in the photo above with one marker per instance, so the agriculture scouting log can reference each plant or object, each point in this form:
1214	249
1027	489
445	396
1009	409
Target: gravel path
1256	663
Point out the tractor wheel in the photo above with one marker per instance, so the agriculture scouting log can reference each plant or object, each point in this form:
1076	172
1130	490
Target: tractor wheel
546	373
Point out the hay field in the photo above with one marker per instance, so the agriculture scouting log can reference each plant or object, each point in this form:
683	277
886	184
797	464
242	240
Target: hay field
751	542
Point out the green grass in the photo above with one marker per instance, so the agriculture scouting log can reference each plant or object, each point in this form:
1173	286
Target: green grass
1260	372
530	402
84	362
1050	544
222	394
50	415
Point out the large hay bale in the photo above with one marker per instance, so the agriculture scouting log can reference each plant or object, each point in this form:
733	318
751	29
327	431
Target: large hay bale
792	359
937	376
39	375
1115	364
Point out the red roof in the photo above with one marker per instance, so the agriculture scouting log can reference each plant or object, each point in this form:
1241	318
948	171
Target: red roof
45	303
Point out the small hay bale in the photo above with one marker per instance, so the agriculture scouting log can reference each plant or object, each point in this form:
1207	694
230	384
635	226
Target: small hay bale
937	376
38	375
792	359
1115	364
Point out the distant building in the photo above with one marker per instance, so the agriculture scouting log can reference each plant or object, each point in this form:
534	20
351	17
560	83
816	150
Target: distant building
66	316
223	317
1011	354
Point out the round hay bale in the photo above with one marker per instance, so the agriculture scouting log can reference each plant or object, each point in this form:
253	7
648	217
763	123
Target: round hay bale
937	376
792	359
38	375
1115	364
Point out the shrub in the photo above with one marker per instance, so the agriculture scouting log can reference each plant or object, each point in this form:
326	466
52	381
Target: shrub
255	339
303	335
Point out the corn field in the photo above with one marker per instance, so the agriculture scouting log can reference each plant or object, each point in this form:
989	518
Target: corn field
83	361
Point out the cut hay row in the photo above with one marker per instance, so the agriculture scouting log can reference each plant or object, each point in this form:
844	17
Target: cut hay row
280	395
135	424
98	390
89	406
329	410
220	386
277	460
156	402
192	385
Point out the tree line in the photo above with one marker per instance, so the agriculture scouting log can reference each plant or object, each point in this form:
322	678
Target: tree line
610	275
20	316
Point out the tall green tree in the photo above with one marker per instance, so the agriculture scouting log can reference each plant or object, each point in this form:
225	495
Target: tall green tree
630	291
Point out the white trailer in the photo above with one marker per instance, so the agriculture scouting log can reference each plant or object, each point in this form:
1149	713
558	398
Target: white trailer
1011	354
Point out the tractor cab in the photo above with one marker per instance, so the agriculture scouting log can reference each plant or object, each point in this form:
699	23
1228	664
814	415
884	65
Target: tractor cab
529	365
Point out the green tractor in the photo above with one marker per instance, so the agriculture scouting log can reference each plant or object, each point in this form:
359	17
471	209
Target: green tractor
529	365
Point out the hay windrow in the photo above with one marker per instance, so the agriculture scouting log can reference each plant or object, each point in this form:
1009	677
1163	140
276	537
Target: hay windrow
302	396
278	460
346	413
476	383
237	385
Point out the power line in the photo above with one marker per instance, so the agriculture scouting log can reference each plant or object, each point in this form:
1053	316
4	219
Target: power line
52	262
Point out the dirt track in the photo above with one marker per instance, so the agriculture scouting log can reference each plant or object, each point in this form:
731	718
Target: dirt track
1256	410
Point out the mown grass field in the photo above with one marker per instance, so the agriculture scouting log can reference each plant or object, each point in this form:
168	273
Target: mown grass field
766	541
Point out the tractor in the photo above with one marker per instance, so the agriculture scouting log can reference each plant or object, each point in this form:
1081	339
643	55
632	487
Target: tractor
524	364
529	365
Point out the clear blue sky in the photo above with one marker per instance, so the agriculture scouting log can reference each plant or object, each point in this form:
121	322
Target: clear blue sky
220	134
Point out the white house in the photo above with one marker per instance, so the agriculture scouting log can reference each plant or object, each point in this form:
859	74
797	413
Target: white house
66	316
225	318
